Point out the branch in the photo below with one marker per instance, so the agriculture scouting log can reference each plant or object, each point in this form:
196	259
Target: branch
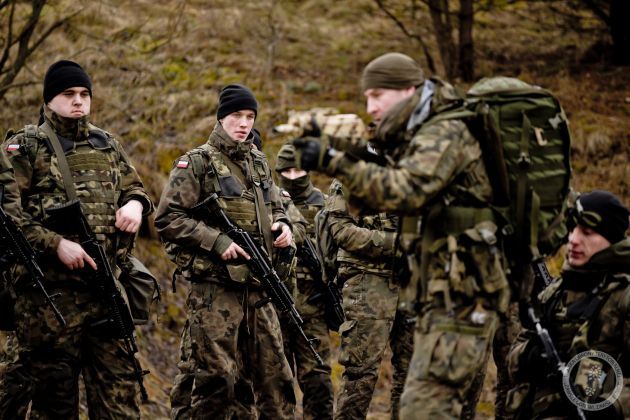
7	47
405	31
3	89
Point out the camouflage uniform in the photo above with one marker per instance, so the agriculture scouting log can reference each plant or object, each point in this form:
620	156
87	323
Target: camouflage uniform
586	309
370	298
8	346
314	380
232	358
458	281
51	356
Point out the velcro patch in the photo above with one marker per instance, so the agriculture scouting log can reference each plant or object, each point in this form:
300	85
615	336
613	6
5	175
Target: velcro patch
12	147
182	164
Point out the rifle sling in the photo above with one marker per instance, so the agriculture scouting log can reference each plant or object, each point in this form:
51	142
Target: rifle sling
64	168
264	228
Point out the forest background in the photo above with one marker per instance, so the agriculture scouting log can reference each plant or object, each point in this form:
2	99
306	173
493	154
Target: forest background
157	67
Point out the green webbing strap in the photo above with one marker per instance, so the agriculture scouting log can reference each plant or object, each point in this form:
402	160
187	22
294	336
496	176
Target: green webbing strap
521	187
264	227
458	219
68	181
533	220
428	236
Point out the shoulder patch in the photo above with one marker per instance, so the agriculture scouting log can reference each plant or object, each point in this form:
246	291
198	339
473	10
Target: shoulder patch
12	147
181	163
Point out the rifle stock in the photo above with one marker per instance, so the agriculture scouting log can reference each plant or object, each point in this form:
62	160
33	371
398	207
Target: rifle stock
70	218
259	263
541	272
25	254
333	301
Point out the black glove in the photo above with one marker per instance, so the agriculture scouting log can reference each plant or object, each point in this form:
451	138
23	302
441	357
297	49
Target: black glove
312	153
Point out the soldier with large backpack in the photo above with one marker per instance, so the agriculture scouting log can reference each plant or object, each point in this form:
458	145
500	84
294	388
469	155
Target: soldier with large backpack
456	222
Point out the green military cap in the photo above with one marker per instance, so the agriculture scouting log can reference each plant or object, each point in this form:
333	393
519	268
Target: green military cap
286	158
392	71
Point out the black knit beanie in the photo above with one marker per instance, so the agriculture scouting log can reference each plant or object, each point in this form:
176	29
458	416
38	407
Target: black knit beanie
236	98
603	212
62	75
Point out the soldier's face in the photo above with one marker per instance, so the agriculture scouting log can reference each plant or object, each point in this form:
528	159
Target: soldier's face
72	103
293	173
379	101
583	244
239	124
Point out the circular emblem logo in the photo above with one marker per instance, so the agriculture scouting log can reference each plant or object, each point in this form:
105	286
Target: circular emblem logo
593	367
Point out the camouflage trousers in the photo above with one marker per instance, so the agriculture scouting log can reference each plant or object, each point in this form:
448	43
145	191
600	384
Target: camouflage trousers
503	339
447	367
370	301
314	380
9	358
232	359
51	357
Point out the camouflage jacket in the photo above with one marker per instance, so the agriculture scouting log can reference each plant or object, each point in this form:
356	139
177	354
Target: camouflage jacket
10	191
438	176
586	309
104	180
365	242
229	169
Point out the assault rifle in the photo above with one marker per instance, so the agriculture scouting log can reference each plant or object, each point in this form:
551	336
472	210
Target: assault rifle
541	272
70	218
334	313
21	250
260	264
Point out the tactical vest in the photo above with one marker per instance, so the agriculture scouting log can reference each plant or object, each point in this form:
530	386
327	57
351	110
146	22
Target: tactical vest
309	208
97	179
217	174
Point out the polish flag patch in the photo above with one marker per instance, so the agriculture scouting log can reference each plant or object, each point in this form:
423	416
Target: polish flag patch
182	164
12	147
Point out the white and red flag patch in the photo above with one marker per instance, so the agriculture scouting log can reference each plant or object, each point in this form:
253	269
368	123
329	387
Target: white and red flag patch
182	164
12	147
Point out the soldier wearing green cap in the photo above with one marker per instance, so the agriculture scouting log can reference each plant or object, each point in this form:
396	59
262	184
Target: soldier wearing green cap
51	357
587	309
437	182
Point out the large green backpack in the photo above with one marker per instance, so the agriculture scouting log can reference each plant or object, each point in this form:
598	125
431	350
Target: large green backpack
525	141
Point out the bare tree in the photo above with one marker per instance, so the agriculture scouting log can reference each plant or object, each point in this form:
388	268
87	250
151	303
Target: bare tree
20	40
457	54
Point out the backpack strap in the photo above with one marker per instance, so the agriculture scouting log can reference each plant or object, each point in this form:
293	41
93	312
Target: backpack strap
63	163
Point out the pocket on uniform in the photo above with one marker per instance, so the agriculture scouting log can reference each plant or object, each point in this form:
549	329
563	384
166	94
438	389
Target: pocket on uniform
486	256
452	356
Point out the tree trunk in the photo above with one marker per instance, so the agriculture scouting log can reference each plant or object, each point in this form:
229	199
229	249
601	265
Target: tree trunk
466	45
620	31
443	33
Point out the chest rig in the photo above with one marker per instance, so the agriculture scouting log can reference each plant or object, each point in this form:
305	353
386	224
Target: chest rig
92	167
235	184
309	208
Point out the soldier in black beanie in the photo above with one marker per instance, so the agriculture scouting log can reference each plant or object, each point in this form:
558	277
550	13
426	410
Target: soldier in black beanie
62	158
223	378
587	313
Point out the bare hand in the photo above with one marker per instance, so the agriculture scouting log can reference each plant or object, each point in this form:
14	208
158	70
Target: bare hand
233	252
72	255
285	238
129	217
